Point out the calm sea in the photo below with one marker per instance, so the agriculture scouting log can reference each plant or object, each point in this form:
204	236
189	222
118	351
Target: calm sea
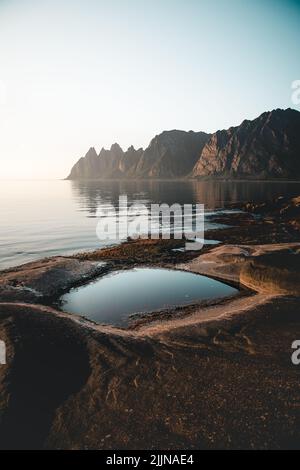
43	218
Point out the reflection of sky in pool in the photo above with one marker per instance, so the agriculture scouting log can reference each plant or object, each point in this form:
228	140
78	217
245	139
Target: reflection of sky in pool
112	298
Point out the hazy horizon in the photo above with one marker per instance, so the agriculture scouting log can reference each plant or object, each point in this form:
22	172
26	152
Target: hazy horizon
75	75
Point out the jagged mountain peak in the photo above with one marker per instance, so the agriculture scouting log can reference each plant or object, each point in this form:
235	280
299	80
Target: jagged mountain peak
265	147
91	152
116	147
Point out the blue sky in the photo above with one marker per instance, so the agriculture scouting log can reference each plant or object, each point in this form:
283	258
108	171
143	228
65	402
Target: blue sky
75	74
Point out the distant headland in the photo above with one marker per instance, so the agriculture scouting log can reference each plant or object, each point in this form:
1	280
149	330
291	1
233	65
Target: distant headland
267	147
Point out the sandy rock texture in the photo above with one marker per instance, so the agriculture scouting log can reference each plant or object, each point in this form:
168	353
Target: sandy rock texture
216	377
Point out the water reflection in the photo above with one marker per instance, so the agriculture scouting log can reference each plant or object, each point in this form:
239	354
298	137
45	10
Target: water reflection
213	194
44	218
140	290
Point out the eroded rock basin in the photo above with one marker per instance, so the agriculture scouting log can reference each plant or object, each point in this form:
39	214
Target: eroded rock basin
211	377
115	298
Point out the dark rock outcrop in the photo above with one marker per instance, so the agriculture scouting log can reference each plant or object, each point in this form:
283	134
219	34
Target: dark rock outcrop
278	211
113	163
170	154
130	160
86	167
267	147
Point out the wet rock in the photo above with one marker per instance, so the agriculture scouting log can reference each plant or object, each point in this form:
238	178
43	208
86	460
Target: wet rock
46	278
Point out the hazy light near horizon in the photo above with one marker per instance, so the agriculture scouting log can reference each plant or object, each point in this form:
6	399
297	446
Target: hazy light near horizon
75	74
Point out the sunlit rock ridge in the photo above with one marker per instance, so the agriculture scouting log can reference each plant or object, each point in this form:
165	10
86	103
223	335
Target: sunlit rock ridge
267	147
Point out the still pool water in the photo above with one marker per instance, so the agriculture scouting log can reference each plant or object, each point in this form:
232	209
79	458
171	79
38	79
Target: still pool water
113	298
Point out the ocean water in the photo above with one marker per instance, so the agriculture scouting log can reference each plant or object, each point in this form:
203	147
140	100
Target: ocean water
44	218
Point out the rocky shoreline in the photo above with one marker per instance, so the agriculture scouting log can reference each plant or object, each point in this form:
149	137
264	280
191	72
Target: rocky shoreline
199	377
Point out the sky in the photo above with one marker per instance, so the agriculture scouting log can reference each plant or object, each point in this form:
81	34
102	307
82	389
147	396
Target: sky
82	73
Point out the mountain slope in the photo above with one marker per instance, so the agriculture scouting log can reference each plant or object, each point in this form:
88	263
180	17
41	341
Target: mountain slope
267	147
171	154
113	163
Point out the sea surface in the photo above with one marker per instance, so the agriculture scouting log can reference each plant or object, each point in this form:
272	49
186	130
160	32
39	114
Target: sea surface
45	218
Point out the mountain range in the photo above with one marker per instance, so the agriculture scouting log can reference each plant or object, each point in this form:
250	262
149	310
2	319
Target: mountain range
267	147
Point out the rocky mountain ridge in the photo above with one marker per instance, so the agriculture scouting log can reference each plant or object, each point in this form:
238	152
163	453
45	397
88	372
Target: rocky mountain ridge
267	147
